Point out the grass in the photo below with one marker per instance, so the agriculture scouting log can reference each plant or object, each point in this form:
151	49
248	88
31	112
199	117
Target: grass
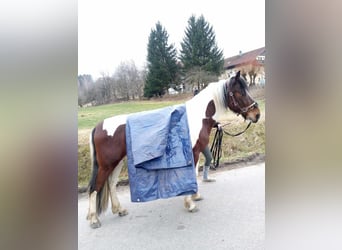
84	169
89	117
233	148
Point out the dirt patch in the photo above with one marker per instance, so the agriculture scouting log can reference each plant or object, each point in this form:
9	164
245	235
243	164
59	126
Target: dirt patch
83	136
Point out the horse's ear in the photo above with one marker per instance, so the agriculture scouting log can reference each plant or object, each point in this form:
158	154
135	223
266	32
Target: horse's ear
237	75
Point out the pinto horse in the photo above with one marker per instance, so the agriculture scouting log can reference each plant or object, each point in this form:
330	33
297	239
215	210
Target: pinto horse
108	141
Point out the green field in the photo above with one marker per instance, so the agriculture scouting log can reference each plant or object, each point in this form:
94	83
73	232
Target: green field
234	148
90	116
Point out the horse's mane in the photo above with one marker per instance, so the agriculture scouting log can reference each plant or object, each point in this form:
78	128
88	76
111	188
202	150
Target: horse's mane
214	91
242	82
196	106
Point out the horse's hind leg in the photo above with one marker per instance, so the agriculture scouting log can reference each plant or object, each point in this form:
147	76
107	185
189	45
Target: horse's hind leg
92	215
113	180
96	207
98	201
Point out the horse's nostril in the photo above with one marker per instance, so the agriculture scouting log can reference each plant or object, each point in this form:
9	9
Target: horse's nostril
257	116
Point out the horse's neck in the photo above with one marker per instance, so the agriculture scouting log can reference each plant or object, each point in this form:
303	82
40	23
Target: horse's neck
213	92
196	108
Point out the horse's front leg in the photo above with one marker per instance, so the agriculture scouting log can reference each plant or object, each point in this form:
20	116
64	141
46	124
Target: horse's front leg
189	204
197	196
189	199
197	169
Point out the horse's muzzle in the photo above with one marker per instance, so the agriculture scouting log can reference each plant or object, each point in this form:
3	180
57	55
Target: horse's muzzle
253	115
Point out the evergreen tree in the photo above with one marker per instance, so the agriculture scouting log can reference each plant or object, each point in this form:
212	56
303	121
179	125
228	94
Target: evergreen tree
199	51
161	63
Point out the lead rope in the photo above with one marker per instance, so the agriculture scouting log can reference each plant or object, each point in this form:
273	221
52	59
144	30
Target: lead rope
216	149
216	146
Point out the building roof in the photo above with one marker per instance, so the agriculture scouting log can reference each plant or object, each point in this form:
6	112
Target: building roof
244	58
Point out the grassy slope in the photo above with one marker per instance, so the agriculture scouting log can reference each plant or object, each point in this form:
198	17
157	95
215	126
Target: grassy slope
89	117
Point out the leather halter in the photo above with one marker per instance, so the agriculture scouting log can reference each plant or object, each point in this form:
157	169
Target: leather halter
235	103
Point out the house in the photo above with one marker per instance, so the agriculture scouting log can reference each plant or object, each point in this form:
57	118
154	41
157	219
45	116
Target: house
172	91
251	65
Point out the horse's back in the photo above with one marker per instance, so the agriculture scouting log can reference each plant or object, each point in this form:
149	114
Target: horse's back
110	139
112	123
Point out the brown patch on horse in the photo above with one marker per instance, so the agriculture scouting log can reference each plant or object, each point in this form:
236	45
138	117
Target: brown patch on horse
207	125
210	111
203	139
110	151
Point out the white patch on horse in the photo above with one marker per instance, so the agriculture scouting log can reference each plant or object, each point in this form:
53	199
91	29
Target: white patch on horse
112	123
113	180
196	107
92	215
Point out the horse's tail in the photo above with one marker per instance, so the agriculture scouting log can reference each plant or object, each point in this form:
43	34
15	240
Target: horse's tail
102	197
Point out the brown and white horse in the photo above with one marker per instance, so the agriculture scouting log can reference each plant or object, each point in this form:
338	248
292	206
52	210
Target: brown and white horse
108	141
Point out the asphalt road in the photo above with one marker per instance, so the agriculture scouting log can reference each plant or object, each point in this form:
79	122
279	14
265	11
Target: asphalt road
231	216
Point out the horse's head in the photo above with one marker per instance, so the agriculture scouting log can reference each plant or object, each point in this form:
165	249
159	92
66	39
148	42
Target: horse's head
239	100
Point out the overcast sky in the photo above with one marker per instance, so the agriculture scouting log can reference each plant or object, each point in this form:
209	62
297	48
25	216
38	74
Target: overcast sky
111	32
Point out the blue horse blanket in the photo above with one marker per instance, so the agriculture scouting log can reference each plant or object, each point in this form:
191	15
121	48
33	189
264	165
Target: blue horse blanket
159	153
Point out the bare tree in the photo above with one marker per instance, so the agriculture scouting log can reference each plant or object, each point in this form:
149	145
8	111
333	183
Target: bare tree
196	77
85	83
103	89
126	83
128	80
252	70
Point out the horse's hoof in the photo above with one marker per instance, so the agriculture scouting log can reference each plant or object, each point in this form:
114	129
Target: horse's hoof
123	213
95	225
194	210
